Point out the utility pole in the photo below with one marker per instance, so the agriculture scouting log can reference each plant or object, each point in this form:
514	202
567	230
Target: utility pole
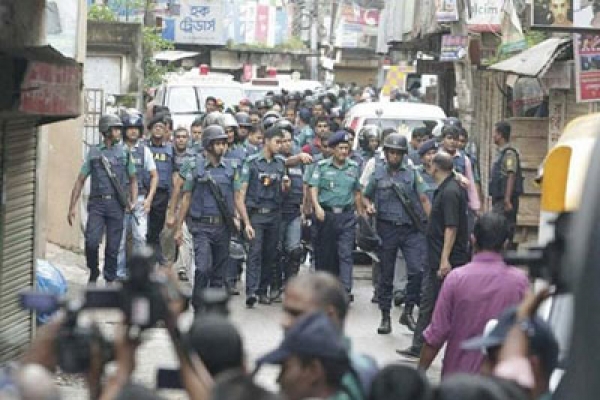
314	37
463	70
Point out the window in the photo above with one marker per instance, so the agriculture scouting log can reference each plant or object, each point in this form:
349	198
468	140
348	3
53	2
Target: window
182	99
403	126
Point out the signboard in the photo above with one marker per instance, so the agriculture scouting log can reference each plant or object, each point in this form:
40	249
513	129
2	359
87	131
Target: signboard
49	89
454	47
587	66
446	11
565	14
486	15
62	20
196	22
358	27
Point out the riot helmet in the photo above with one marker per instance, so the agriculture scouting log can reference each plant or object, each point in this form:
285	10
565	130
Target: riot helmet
367	133
108	121
212	133
243	119
212	118
395	141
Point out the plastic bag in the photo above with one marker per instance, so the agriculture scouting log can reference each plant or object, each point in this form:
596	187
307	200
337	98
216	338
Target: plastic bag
48	279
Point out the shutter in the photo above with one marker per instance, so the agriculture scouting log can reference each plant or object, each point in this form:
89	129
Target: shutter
18	155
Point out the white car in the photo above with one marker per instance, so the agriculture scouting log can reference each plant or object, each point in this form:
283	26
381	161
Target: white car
404	117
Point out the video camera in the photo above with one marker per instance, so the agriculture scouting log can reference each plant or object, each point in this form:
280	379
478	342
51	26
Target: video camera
546	262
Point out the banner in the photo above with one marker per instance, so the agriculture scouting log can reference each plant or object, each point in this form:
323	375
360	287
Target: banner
486	15
197	22
454	47
587	67
358	27
446	11
513	39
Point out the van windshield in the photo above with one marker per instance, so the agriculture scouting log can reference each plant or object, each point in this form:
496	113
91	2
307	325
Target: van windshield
229	96
403	126
182	99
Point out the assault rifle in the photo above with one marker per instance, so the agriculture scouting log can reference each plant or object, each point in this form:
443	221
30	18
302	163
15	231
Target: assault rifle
409	207
221	204
121	196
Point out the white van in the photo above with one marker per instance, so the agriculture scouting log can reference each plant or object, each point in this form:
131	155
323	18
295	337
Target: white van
402	116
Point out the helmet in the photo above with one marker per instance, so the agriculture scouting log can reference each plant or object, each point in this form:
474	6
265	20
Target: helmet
212	133
453	121
451	130
367	133
261	104
269	119
243	119
285	125
108	121
228	121
296	96
213	118
395	141
133	120
367	238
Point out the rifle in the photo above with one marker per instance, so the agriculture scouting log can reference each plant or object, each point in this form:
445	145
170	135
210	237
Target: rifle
121	196
409	207
222	204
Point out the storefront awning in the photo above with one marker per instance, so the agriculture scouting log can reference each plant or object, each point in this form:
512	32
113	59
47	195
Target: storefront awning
536	61
174	55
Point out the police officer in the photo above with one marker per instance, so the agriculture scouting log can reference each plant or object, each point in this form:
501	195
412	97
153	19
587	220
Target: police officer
395	226
427	151
260	187
163	154
245	124
369	137
335	194
133	127
204	218
506	180
196	131
104	209
305	132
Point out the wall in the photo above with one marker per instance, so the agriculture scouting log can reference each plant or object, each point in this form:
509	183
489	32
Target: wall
21	23
61	158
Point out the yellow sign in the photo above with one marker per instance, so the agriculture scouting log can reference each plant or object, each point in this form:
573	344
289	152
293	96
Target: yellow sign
396	79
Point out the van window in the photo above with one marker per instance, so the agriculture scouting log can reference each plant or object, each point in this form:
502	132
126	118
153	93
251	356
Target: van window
182	99
230	96
403	126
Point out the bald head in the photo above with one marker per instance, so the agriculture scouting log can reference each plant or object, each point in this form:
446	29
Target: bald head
315	292
444	162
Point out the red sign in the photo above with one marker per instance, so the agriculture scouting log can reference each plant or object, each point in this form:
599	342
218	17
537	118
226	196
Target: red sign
587	66
50	89
262	23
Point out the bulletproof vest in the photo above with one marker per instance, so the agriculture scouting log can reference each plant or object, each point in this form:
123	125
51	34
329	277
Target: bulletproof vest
237	152
203	202
180	158
264	185
163	157
460	164
139	159
293	198
497	185
431	183
100	182
251	149
357	158
388	205
415	157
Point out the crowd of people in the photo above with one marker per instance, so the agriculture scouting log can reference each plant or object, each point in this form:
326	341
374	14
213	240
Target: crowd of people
257	189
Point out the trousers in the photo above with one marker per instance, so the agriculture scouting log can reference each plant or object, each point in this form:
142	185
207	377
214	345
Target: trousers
263	253
138	231
156	222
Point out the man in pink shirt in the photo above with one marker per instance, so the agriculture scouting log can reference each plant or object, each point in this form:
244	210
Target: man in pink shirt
471	296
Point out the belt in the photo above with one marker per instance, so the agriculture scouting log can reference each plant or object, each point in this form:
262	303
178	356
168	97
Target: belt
103	197
338	210
262	210
218	220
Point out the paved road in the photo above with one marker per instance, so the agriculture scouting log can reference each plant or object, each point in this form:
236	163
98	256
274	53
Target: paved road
259	327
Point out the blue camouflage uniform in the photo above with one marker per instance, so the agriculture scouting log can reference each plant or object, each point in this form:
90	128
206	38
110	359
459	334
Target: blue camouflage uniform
397	230
104	210
263	203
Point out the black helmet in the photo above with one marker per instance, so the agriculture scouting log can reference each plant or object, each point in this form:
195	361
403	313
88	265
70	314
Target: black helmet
367	133
285	125
212	133
133	120
261	104
213	118
451	130
109	121
296	96
395	141
367	238
453	121
229	121
243	119
269	119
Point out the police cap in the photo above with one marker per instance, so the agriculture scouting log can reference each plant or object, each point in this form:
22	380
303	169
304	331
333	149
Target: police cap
337	138
427	146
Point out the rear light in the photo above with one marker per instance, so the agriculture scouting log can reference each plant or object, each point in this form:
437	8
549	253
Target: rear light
354	124
204	69
271	72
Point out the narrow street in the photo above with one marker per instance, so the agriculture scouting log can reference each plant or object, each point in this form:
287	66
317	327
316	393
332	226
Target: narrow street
259	328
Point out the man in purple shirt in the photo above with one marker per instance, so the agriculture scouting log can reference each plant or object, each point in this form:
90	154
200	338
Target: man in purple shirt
471	296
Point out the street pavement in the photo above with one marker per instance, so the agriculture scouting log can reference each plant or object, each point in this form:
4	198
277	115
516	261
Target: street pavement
259	327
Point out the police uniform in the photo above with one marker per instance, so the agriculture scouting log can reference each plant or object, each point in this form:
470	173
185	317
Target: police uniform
144	163
206	223
507	161
263	203
305	136
429	181
164	159
104	210
336	189
397	230
184	255
250	149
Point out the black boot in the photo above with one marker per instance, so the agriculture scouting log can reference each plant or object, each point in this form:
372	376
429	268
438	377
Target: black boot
92	263
407	318
385	328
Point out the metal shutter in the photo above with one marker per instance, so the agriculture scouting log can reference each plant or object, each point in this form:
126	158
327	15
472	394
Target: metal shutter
18	155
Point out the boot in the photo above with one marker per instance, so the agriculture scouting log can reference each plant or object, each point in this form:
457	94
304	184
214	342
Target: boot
385	328
407	318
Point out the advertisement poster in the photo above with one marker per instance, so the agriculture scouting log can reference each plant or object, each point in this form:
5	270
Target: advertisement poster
587	67
566	14
446	11
358	27
454	47
62	17
486	15
197	22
